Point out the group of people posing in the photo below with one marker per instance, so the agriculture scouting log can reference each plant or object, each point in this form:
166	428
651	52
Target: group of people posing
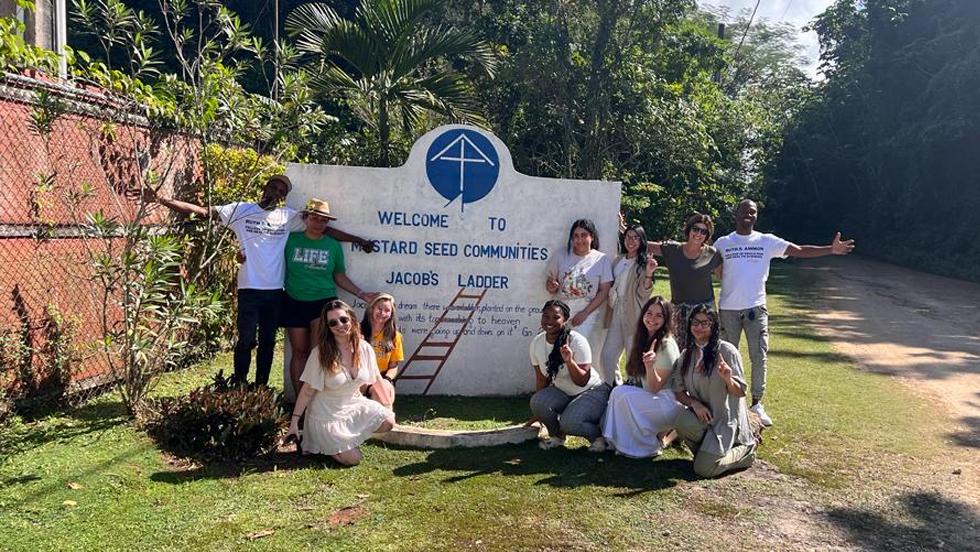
684	374
291	266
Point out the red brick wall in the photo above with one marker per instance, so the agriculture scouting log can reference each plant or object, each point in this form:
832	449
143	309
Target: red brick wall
82	149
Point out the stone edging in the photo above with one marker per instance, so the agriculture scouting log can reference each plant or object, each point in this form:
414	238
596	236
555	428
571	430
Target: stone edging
443	439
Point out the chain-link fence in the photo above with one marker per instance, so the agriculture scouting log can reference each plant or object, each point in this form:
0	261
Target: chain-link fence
67	155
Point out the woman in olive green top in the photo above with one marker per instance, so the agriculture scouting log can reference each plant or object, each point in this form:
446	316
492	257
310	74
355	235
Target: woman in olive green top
709	380
314	268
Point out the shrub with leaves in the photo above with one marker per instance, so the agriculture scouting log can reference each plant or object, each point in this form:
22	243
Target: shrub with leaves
147	309
13	357
37	362
219	421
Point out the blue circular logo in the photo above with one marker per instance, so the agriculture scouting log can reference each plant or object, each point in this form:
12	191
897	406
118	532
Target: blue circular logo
462	163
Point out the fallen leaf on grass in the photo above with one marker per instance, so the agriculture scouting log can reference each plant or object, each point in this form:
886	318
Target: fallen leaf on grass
69	503
362	495
74	486
260	534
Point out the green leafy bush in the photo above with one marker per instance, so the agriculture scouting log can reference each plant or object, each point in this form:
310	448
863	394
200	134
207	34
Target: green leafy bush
37	362
219	421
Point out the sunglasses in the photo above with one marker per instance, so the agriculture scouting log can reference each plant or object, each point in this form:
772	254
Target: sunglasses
699	230
340	320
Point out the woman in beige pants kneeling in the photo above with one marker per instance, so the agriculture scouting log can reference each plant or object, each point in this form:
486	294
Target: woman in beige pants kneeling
710	382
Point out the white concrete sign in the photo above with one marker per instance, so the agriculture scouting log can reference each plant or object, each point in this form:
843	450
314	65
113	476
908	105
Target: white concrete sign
464	242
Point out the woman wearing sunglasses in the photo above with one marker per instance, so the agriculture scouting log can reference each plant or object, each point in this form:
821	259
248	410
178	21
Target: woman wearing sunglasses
689	265
340	368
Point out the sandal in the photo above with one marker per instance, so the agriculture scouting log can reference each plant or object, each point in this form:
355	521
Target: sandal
551	442
293	438
667	438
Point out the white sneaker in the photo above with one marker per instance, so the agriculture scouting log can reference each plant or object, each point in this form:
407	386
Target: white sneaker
599	445
764	418
551	442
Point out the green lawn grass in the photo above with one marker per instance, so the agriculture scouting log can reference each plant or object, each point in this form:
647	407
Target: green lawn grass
88	480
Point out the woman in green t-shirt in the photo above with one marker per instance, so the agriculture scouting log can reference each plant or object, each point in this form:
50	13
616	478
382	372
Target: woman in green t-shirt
314	268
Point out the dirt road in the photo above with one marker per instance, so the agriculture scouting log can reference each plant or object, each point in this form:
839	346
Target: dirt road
921	328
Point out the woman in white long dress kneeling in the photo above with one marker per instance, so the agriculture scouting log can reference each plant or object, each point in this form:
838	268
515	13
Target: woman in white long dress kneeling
342	366
640	415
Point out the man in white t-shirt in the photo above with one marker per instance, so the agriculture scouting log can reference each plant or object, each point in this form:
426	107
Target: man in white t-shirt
262	229
745	268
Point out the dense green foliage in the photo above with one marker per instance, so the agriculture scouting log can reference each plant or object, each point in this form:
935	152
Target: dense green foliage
389	64
640	91
219	421
618	90
886	148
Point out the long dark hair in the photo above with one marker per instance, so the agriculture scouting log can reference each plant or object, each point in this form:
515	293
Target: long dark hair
642	339
554	357
710	358
641	253
589	226
329	348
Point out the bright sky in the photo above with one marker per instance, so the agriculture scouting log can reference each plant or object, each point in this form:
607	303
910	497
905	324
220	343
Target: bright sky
796	12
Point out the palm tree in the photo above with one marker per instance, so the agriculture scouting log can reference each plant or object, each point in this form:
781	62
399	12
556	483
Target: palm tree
390	61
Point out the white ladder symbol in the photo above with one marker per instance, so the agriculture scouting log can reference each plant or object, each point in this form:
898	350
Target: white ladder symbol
444	155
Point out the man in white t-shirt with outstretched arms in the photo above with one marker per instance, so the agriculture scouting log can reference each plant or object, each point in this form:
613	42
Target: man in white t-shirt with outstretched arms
262	229
745	257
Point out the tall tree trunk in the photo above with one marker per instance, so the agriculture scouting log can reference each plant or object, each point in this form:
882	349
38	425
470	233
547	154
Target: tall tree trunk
384	131
598	111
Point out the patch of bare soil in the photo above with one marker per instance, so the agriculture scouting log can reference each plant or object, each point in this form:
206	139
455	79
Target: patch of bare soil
345	515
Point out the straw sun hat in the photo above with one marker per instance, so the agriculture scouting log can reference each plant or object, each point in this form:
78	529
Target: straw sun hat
318	207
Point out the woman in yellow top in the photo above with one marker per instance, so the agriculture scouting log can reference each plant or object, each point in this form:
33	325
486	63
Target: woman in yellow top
380	326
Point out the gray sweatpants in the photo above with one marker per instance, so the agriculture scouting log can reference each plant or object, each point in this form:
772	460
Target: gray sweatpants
707	464
755	322
578	415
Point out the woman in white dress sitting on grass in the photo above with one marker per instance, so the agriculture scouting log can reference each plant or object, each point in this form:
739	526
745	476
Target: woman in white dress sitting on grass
640	416
340	369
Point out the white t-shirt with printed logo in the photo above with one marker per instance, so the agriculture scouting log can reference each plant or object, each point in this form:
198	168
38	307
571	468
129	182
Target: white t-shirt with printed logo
579	277
745	267
262	235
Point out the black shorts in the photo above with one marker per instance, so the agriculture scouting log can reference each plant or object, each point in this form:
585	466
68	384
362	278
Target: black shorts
299	314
